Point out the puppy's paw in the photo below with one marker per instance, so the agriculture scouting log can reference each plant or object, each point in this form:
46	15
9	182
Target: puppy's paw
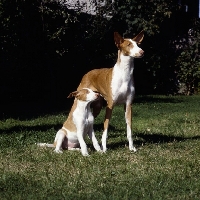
41	144
74	149
85	154
58	151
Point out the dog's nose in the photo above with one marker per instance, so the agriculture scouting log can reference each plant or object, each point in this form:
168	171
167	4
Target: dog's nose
141	52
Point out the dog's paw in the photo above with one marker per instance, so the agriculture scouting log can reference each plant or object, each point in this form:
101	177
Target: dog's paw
100	151
58	151
103	150
133	149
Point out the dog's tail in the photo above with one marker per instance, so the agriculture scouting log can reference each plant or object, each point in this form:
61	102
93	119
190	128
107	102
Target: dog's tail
45	145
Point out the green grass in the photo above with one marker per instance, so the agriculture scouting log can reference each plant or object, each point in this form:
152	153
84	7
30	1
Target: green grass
166	133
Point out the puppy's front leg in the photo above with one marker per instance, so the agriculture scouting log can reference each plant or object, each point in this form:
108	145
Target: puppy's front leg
94	139
83	145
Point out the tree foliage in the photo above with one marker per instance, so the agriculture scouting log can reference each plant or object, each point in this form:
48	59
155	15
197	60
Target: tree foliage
143	14
165	32
188	61
45	43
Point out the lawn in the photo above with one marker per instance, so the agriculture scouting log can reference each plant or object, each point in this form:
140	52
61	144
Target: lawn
166	132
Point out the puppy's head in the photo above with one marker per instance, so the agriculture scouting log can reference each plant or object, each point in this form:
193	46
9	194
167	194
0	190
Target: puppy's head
85	94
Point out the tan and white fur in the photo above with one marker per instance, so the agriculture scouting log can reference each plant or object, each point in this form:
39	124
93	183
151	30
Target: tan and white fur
78	124
116	84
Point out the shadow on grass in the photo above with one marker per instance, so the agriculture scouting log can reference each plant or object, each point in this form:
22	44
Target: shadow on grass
43	128
23	128
143	139
15	184
160	138
99	127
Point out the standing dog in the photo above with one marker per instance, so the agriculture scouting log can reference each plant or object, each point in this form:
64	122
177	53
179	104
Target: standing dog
78	124
116	84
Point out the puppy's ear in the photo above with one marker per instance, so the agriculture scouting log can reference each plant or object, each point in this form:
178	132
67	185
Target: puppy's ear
118	39
95	91
73	94
138	39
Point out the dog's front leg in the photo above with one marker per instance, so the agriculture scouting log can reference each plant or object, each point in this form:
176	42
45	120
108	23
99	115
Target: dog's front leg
106	124
128	117
83	145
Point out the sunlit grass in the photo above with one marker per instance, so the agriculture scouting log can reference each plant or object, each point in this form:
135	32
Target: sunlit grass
166	132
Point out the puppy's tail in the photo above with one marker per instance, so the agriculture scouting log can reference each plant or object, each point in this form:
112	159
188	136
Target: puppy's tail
45	145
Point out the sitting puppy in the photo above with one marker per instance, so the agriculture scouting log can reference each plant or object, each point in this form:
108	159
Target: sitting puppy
78	124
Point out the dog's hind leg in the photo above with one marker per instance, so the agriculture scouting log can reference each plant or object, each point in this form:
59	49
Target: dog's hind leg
128	117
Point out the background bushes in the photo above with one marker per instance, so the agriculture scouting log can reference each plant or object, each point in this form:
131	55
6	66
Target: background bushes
46	47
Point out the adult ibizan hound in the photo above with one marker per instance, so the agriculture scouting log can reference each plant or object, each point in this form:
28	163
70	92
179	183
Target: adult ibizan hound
116	84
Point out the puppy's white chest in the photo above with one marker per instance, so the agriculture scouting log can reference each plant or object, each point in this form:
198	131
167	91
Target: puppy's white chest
83	119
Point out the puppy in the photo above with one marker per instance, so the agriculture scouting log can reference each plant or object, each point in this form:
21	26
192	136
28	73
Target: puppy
78	124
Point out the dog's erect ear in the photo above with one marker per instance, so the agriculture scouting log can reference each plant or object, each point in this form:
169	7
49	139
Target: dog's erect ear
139	37
118	39
73	94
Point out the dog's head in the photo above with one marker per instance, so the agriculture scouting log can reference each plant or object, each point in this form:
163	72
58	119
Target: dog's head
129	47
85	94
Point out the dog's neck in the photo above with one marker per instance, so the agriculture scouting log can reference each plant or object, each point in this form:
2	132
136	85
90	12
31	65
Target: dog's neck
125	63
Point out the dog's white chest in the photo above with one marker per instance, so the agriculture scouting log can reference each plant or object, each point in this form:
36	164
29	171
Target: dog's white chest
122	86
